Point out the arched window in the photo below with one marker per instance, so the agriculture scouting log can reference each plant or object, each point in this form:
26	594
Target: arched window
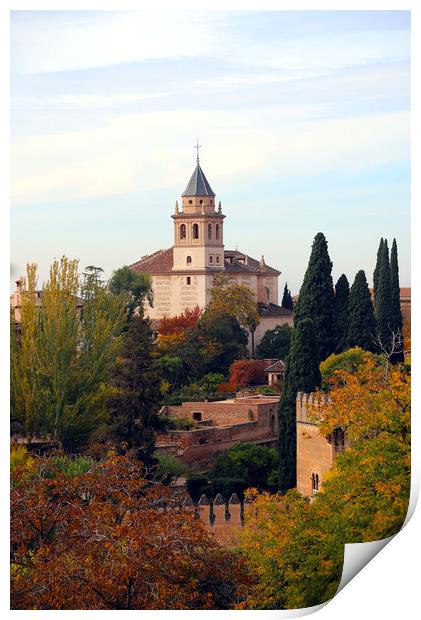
314	483
188	260
217	231
209	231
195	231
182	231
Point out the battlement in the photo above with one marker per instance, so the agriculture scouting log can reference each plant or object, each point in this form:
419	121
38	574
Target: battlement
305	404
223	517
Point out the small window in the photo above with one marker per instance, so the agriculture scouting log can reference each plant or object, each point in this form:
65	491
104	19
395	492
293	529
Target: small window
195	231
188	280
188	260
182	231
201	202
197	416
190	202
211	259
217	259
314	483
209	231
217	231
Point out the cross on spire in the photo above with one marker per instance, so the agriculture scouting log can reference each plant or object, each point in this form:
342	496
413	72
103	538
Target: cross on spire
197	147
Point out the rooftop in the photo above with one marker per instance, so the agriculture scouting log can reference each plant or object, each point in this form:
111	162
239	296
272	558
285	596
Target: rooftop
198	184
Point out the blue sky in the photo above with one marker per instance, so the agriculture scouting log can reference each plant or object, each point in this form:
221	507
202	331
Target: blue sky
303	118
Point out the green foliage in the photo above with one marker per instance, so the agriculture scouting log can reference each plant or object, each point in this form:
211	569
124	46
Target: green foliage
72	466
226	487
350	361
395	311
209	383
287	299
60	368
275	343
173	423
170	368
383	301
376	274
361	322
250	463
316	300
169	467
302	374
136	287
136	399
341	312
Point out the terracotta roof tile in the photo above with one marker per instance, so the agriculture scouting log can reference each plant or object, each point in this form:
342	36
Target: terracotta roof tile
158	262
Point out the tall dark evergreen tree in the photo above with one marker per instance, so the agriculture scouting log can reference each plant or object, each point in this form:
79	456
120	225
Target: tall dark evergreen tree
341	313
361	322
383	302
302	374
395	295
135	403
376	273
287	299
317	299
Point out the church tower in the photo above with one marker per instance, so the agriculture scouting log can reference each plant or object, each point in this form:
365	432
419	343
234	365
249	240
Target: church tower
198	228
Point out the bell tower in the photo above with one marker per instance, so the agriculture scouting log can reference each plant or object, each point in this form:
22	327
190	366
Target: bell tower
198	227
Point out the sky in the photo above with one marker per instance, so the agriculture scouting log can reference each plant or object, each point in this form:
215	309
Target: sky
303	118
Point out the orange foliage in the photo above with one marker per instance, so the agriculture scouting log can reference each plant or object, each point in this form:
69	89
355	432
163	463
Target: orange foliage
178	324
226	388
247	372
111	539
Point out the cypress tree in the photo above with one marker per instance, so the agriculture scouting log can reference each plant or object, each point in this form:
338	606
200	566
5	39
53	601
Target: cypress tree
376	273
383	301
361	322
302	374
341	313
316	300
135	404
287	299
395	294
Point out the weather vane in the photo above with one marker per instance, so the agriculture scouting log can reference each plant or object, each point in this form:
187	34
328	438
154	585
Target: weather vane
197	147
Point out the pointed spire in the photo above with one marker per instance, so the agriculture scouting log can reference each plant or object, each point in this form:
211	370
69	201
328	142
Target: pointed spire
262	264
219	207
176	207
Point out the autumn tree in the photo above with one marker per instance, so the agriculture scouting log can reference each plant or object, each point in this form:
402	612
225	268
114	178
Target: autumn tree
361	330
275	343
316	300
297	547
60	368
110	539
341	312
180	323
302	374
244	373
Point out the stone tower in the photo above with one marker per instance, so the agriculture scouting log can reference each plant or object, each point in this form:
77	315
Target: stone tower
198	228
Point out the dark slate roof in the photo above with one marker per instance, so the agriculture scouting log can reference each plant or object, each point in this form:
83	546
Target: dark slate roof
273	310
198	184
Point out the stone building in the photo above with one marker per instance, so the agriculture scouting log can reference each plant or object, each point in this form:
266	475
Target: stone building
182	275
218	426
315	453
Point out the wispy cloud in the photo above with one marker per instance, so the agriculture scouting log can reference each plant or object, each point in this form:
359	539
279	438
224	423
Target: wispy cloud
87	101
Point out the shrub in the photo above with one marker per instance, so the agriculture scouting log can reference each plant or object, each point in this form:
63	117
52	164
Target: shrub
170	468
